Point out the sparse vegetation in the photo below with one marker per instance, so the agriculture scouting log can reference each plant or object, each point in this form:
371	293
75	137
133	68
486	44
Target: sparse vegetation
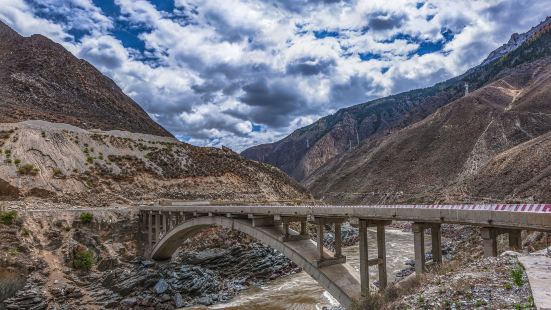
27	169
89	159
84	260
8	217
58	173
86	217
517	274
17	161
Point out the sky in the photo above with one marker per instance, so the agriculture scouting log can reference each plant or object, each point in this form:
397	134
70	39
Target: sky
245	72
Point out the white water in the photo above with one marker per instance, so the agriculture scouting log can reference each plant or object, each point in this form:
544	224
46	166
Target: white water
300	292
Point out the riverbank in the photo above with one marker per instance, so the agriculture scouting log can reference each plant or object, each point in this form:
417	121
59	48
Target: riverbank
65	262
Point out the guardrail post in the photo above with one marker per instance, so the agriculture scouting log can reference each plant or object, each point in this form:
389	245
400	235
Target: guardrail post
489	237
436	234
419	247
364	267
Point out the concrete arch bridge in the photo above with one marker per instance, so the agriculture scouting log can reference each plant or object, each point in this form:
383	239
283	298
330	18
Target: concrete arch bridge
166	226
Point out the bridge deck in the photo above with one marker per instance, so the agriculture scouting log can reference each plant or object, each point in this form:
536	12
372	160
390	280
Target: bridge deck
522	216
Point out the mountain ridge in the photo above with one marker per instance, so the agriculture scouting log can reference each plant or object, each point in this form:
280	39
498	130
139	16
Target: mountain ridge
335	143
40	79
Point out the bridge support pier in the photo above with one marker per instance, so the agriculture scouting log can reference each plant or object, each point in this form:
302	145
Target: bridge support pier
337	258
436	240
515	241
419	244
157	227
285	220
150	229
489	237
419	247
380	261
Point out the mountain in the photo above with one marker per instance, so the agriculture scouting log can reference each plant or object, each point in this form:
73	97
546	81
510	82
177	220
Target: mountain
68	133
39	79
434	144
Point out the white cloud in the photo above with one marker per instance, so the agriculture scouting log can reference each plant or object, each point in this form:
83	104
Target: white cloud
213	71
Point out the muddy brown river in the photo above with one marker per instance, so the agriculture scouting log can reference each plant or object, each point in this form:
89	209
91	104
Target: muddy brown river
300	291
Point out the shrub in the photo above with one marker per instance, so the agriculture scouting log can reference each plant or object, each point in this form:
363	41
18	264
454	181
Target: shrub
27	169
89	159
8	217
17	161
508	286
43	134
7	152
84	260
58	173
86	217
517	274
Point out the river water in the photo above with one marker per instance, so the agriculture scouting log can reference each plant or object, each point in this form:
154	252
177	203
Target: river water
300	291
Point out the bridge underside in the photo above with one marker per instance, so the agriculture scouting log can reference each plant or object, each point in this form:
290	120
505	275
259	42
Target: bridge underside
340	280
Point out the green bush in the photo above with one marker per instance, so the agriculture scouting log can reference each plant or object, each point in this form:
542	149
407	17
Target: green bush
8	217
86	217
27	169
17	161
517	274
84	260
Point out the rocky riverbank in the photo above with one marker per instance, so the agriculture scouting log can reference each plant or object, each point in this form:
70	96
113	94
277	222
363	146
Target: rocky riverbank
43	249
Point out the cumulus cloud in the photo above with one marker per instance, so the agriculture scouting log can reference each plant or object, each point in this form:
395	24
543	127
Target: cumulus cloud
245	72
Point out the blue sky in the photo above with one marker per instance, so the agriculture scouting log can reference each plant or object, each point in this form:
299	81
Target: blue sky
244	72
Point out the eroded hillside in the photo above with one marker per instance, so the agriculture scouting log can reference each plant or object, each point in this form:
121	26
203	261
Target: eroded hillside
63	162
482	147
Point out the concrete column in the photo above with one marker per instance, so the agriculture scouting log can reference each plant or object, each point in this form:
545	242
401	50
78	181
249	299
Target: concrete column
436	234
150	228
381	251
515	241
489	238
303	228
419	246
338	240
364	267
320	240
170	224
286	229
157	226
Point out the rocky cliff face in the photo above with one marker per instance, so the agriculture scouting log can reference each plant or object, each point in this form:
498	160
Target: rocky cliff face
431	144
64	162
39	79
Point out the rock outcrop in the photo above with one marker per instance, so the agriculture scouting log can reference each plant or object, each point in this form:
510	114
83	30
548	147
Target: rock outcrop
67	163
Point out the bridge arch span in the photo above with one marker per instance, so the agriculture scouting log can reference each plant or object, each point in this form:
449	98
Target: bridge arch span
340	280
